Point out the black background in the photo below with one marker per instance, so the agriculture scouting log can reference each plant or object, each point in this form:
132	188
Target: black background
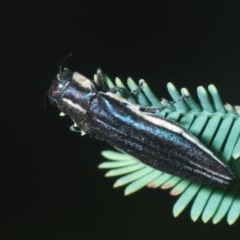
51	187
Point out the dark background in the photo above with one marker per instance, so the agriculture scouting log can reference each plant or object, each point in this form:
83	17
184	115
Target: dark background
51	187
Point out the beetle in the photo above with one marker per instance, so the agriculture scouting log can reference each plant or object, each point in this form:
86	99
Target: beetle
156	141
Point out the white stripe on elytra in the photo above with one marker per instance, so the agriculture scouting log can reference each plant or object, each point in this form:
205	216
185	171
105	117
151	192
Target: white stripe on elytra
174	128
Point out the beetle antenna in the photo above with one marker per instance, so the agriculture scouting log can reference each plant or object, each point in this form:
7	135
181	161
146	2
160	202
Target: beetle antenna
63	61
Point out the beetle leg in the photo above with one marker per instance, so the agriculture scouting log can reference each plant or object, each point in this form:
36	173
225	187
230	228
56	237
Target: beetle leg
154	110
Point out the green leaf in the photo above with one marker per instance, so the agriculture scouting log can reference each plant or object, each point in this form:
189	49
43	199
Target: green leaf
216	125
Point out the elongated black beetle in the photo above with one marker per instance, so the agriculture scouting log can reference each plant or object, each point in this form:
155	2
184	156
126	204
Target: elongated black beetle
158	142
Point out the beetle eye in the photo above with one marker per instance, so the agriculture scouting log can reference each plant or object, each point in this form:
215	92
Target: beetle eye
65	75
